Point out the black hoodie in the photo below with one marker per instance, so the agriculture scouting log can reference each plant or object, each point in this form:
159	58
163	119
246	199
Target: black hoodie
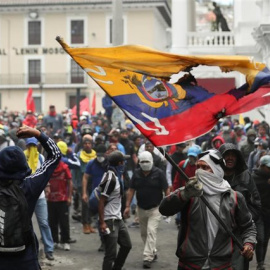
242	181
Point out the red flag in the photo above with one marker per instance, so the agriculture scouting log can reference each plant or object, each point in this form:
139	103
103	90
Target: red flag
93	106
84	106
30	103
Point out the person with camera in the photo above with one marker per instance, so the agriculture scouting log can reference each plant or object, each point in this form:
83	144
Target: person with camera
202	242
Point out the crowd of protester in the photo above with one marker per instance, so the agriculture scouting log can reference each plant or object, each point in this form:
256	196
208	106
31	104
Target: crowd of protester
85	142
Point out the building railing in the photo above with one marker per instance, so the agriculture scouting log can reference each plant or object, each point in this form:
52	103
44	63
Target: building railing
41	79
211	39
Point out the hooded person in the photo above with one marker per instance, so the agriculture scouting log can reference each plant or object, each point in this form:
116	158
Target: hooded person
15	173
217	141
201	242
241	180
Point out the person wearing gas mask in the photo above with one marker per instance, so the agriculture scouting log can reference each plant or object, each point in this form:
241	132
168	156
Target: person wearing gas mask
149	182
202	243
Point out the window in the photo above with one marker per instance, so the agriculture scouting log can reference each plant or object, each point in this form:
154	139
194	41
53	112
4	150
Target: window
77	74
77	32
34	71
110	37
37	101
72	100
34	32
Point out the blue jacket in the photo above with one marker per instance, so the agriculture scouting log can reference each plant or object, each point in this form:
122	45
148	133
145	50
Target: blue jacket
32	185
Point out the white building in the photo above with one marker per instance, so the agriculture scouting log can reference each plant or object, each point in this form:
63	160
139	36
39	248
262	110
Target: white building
31	57
249	35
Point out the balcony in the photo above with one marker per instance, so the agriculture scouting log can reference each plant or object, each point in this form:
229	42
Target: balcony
46	80
211	42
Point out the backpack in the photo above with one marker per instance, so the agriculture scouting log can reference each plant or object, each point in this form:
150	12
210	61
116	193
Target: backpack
95	197
93	200
15	223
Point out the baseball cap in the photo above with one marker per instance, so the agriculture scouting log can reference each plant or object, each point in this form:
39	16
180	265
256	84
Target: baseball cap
31	140
193	151
117	156
101	150
265	160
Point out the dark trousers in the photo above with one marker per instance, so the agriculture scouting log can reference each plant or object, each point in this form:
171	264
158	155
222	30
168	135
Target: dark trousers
263	234
114	260
59	217
86	215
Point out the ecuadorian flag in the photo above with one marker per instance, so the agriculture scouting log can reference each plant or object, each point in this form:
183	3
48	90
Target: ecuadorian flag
137	79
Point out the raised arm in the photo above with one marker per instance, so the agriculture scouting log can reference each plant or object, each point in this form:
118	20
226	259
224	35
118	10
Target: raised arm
38	181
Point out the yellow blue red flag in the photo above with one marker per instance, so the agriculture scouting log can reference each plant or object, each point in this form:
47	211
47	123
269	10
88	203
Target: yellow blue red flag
137	79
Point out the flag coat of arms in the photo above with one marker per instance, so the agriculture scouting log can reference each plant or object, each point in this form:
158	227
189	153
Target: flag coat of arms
137	79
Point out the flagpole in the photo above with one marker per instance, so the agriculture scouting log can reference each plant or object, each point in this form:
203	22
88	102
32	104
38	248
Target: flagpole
225	227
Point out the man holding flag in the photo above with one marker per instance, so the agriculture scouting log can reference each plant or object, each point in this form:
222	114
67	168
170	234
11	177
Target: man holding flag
202	244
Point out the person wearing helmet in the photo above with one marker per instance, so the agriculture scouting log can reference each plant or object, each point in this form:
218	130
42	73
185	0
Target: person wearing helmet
149	183
111	223
241	180
202	243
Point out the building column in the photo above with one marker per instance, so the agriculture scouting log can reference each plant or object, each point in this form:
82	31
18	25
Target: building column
183	21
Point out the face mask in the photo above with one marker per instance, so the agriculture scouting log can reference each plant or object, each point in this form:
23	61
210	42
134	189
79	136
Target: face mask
225	128
120	168
100	159
146	166
251	138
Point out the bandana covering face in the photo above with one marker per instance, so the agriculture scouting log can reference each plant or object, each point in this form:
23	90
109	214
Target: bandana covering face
32	157
213	183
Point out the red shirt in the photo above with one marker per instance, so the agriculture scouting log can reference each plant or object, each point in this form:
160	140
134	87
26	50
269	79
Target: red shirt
189	170
59	183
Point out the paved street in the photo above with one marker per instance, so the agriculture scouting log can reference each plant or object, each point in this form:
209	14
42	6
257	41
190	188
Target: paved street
84	254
